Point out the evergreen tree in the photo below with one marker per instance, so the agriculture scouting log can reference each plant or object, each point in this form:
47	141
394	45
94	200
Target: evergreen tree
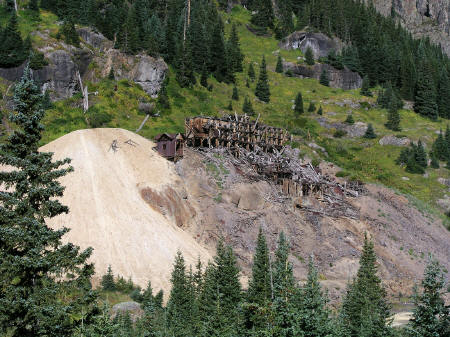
393	118
248	107
230	106
313	314
285	321
251	72
163	98
370	133
425	98
218	53
179	304
264	14
259	288
431	318
444	95
36	267
421	155
324	79
204	76
365	308
46	101
365	88
235	95
33	5
221	296
320	111
108	283
247	83
349	119
311	107
309	57
262	90
111	75
440	147
185	75
279	67
434	161
13	51
299	109
128	39
69	33
235	52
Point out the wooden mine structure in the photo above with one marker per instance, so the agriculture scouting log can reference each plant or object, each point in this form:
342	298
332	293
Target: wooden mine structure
234	132
261	147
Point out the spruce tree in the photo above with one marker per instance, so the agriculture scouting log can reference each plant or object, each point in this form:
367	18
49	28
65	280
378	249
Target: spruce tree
421	155
431	317
370	133
311	107
264	15
235	95
247	83
314	316
111	75
251	72
434	163
185	75
279	67
365	306
179	304
444	95
320	111
247	107
309	57
33	5
13	51
262	90
230	106
425	98
218	53
204	76
235	52
163	98
108	283
299	108
285	315
36	267
349	119
365	88
324	79
393	118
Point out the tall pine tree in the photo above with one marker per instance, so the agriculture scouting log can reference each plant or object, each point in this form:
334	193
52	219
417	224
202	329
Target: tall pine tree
262	90
36	268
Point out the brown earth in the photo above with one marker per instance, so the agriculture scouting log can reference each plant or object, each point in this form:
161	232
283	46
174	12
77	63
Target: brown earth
136	209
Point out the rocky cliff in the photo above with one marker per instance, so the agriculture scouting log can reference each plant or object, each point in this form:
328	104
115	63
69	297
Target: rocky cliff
93	60
422	17
344	79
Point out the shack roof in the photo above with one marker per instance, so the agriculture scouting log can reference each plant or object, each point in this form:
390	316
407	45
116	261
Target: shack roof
168	136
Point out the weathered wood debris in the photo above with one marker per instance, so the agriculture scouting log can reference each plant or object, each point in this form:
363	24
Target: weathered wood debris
263	148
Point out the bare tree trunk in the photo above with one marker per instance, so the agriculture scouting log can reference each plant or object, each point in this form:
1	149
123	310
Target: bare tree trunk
15	5
142	124
187	19
84	92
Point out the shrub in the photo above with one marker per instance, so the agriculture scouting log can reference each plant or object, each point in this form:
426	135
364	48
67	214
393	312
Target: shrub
339	133
37	61
98	118
350	119
342	174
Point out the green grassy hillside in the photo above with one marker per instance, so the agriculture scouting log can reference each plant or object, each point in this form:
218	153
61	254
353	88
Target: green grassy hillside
359	158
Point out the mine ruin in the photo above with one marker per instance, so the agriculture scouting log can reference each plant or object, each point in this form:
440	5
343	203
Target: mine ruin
260	146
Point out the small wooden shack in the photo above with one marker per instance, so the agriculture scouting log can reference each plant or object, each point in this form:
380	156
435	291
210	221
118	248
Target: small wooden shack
170	145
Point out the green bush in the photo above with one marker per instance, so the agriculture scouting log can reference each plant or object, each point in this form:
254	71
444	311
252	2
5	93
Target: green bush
37	61
98	118
339	133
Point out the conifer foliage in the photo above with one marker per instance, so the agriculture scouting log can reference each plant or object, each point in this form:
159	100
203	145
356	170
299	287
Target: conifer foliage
14	50
430	315
299	108
365	310
35	266
262	87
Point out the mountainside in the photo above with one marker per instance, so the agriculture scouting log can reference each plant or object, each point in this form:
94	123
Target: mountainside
136	210
429	18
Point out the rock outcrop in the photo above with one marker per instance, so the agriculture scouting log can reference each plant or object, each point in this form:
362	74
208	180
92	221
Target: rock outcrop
344	79
320	44
422	18
93	60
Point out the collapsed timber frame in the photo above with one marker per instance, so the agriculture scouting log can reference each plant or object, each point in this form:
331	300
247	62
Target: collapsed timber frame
262	147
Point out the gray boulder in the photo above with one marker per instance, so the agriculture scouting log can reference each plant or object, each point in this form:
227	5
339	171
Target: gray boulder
392	140
344	79
320	44
133	308
94	39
